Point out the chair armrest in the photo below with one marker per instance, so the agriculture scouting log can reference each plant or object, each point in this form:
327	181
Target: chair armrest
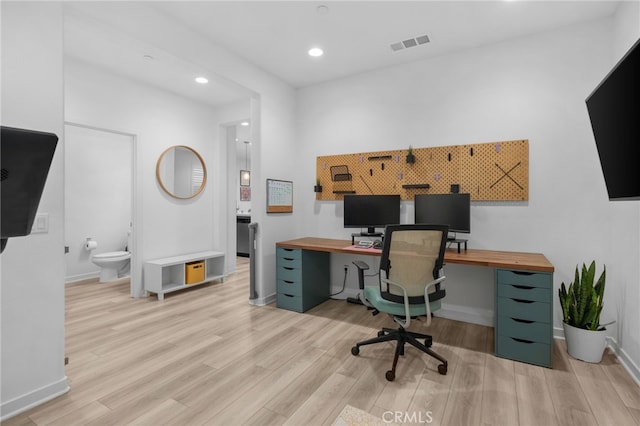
407	314
362	266
426	296
407	320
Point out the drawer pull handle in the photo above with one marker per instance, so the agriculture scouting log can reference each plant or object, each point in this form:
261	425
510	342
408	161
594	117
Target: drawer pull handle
288	258
288	295
523	321
522	300
522	340
288	269
287	249
288	282
522	287
522	273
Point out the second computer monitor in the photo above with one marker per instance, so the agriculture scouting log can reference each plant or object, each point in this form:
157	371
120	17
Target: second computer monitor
446	209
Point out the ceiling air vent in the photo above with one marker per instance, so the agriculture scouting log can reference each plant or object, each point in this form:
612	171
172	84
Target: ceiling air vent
411	42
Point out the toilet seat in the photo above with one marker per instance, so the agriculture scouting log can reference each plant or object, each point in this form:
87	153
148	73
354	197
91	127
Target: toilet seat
112	255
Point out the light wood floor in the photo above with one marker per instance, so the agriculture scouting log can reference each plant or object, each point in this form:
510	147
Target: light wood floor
205	356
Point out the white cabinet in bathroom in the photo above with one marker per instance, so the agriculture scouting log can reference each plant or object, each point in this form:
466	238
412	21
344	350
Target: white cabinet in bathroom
166	275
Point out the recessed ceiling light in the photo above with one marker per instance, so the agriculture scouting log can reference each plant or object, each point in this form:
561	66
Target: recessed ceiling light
315	52
201	80
244	123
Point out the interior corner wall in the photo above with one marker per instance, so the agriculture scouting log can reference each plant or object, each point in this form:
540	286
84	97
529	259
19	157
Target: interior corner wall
531	88
32	290
165	226
272	120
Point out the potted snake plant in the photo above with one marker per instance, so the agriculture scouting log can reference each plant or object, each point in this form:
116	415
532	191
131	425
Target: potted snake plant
581	306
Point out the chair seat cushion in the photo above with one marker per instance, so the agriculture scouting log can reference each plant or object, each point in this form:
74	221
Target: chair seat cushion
372	294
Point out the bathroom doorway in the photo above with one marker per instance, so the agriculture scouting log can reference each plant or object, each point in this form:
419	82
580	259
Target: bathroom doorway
237	137
98	198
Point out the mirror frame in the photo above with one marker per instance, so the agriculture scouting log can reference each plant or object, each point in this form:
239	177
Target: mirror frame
204	172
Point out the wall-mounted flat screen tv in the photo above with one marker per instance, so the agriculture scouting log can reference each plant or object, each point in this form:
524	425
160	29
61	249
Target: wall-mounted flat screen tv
614	111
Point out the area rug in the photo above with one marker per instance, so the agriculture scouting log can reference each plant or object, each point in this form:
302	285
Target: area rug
352	416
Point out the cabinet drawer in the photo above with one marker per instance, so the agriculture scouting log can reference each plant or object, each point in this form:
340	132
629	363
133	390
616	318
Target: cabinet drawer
524	292
524	350
524	309
291	256
292	288
531	279
522	329
289	262
290	302
289	274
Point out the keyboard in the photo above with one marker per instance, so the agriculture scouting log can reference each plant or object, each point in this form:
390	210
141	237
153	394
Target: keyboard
364	244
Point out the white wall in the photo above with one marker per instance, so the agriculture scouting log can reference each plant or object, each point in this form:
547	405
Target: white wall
272	119
529	88
625	219
32	290
98	180
165	226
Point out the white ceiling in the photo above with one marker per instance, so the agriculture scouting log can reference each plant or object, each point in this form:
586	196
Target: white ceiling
355	35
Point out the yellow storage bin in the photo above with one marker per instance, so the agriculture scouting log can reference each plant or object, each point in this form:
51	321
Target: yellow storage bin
194	272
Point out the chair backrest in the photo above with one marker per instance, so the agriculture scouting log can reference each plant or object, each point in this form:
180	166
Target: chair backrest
412	256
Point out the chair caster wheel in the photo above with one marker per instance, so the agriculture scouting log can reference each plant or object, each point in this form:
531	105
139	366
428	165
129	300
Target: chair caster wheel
442	369
355	350
390	375
380	333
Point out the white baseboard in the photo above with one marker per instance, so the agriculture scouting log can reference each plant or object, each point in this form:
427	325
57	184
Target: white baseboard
88	275
626	361
262	301
32	399
466	314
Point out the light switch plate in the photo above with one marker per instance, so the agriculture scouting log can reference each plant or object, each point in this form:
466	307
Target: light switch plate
40	224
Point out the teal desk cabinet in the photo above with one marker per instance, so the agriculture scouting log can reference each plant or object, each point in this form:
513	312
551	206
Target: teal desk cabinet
524	316
302	278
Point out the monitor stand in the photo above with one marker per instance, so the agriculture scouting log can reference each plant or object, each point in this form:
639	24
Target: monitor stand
369	233
458	241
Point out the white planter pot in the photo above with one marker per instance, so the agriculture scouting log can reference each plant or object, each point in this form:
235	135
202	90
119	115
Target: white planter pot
585	345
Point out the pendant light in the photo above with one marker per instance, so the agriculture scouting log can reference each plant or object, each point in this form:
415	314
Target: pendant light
245	175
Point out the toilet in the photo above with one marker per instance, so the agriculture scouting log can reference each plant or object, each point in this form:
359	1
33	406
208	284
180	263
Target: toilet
112	263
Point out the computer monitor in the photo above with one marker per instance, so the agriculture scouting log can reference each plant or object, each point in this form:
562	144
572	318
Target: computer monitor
371	212
26	158
445	209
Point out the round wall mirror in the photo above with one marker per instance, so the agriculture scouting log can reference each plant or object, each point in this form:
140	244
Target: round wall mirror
181	172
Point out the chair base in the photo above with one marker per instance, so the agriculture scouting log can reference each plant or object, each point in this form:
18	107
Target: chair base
402	336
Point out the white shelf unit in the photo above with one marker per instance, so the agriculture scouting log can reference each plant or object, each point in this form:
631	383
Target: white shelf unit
163	276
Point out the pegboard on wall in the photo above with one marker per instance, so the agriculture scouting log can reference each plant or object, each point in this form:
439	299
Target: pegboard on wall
496	171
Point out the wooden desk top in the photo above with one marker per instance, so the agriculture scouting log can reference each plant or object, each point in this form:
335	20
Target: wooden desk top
474	257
